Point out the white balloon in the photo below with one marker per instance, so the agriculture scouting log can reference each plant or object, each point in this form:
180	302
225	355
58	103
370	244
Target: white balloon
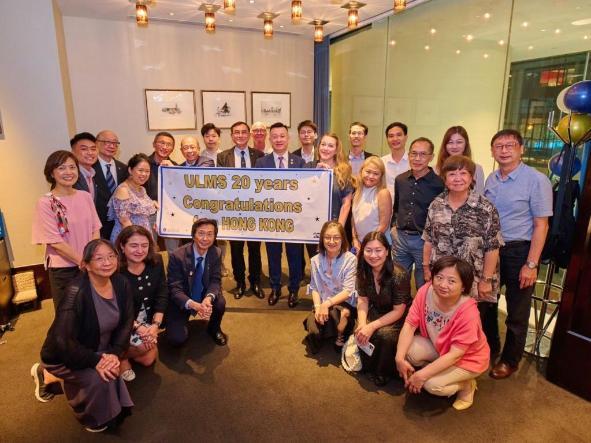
560	101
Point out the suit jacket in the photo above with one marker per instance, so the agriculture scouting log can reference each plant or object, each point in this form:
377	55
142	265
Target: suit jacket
268	161
152	184
202	161
102	194
226	158
181	266
298	152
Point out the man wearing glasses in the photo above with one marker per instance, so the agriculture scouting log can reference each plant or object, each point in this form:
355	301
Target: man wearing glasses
109	173
259	137
163	146
523	197
307	133
414	190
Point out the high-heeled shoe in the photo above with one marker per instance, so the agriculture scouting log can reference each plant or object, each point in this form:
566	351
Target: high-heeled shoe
459	404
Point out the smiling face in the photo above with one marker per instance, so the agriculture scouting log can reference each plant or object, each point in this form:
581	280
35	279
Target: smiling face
447	285
332	242
136	249
307	136
240	135
85	152
279	140
140	173
396	139
456	145
507	151
66	174
375	254
259	135
204	238
458	181
327	149
107	144
370	176
190	149
420	155
211	139
103	262
163	147
357	138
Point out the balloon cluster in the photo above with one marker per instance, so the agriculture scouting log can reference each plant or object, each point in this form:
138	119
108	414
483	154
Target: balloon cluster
575	127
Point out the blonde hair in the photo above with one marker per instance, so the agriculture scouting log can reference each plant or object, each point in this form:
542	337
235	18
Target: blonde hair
377	163
342	169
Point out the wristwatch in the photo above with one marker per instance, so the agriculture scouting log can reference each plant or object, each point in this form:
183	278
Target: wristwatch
531	264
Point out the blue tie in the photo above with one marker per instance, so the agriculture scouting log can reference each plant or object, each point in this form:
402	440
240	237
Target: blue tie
110	180
242	160
197	286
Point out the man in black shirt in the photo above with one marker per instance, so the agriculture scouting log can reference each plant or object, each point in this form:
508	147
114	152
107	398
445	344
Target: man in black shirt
414	191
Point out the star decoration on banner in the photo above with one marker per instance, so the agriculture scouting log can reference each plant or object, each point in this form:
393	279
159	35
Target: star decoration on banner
317	218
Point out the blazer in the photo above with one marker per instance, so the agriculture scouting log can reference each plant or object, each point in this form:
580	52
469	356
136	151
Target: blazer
102	194
226	158
74	336
268	161
202	161
152	184
298	152
181	266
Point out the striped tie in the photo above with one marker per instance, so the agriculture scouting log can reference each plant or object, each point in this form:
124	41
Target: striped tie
110	180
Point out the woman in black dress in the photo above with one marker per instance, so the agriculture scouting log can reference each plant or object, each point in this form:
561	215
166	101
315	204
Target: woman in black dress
383	298
88	336
144	270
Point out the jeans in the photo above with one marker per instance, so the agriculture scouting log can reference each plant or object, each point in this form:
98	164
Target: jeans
408	250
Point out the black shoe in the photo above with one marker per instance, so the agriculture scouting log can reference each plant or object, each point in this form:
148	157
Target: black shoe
257	290
240	291
312	343
41	392
293	300
274	296
381	380
219	338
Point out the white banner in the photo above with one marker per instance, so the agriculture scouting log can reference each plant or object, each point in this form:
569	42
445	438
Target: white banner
273	205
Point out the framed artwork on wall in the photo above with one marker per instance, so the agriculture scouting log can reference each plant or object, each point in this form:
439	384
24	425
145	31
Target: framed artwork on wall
223	108
271	107
170	109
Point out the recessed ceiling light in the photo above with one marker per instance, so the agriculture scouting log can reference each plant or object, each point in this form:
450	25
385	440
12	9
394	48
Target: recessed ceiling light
231	20
485	55
281	26
585	37
582	22
171	13
427	47
458	51
530	47
251	1
433	31
525	24
469	37
501	42
557	31
392	42
486	15
542	30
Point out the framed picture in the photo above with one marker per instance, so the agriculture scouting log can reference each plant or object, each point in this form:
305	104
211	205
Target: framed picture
223	108
169	109
271	107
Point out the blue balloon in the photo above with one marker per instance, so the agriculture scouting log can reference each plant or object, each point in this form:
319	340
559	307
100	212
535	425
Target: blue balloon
555	164
578	97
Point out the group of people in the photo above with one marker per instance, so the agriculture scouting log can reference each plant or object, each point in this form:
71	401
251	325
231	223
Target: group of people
462	237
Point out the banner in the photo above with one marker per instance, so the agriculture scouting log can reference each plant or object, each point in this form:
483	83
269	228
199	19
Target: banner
272	205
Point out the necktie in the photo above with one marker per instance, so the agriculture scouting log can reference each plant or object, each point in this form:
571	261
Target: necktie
281	164
90	182
242	160
110	180
197	286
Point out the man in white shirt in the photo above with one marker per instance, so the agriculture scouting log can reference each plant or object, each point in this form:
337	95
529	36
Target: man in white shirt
397	161
308	133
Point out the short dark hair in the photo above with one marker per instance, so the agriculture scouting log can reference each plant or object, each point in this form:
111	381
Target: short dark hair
208	127
308	123
397	125
54	161
278	125
164	134
507	133
124	236
344	242
455	163
424	140
93	245
465	270
364	126
238	124
82	136
204	221
137	159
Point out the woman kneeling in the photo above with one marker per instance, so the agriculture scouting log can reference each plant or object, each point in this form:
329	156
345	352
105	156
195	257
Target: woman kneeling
451	347
332	285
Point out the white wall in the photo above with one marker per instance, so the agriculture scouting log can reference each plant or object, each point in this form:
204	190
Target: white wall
111	62
34	115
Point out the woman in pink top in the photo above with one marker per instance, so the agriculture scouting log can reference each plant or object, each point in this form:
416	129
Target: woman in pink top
65	220
451	347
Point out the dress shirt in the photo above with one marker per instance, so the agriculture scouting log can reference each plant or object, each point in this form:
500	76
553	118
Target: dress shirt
307	157
212	156
89	177
394	169
356	162
113	169
412	198
520	197
238	157
285	158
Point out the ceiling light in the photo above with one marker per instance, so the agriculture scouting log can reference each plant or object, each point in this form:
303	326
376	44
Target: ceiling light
267	23
557	31
486	15
433	31
427	47
582	22
171	13
209	9
525	24
399	5
296	11
485	55
318	29
530	47
141	14
353	13
469	37
501	42
585	37
458	51
392	42
230	5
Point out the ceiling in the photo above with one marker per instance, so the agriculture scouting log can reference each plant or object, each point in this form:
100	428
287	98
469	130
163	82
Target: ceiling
245	16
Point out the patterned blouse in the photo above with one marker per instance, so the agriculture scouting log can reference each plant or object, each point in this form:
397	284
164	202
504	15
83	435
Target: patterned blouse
467	233
138	208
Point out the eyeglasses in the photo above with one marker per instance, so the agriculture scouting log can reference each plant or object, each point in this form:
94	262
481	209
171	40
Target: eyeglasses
106	258
165	144
508	146
414	154
357	133
334	238
239	132
202	234
108	142
187	147
256	131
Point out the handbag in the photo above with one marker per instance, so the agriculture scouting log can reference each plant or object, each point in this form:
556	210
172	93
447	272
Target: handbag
350	357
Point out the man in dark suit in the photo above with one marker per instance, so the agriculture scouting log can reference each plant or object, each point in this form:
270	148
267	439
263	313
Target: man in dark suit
163	145
281	158
83	147
195	285
190	149
357	153
241	156
307	133
109	173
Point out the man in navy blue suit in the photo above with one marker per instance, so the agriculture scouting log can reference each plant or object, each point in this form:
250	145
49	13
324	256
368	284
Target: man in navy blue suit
281	158
194	284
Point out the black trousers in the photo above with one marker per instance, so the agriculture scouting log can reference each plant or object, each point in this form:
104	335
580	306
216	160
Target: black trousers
512	258
177	320
59	278
254	261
